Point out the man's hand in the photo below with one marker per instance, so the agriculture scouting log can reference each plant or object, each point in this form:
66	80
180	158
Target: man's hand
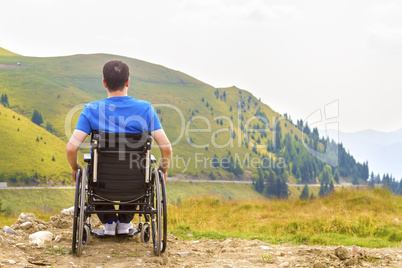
164	173
74	172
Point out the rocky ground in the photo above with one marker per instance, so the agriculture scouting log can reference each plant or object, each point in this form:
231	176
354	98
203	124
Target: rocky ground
31	242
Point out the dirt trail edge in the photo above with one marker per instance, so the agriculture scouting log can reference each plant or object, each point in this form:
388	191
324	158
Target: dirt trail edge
21	250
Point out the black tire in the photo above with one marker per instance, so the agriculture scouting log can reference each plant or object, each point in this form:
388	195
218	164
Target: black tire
86	235
76	210
81	218
164	211
156	224
145	233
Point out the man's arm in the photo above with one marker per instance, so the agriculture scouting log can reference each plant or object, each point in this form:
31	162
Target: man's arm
166	149
72	149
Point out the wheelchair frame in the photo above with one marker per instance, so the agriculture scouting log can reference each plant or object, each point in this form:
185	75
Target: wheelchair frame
151	205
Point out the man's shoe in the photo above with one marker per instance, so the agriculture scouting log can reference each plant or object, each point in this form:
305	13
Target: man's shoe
124	228
110	228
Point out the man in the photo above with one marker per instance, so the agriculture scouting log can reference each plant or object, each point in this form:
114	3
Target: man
119	113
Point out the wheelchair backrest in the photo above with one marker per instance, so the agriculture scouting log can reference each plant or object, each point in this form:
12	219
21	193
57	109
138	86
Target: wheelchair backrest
120	165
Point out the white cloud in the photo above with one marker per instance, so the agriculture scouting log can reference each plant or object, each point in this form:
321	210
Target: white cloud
385	9
388	35
255	10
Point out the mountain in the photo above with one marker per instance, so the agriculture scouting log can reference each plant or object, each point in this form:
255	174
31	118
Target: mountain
216	132
383	150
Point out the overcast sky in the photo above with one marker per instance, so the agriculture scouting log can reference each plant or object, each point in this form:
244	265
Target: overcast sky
297	56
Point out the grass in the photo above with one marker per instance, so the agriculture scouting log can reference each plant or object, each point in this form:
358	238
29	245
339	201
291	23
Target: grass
348	217
367	218
29	149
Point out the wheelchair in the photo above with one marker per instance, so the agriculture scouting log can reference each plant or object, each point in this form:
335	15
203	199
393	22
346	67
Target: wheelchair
120	171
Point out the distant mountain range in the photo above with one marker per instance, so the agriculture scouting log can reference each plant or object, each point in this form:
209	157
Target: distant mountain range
382	150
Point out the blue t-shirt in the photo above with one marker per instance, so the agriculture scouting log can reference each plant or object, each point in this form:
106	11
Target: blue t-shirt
118	115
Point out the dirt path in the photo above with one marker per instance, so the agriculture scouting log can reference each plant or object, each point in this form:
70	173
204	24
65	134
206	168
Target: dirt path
16	251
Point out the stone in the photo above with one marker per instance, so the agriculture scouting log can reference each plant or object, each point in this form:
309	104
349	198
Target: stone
26	225
12	262
318	265
342	253
265	248
68	211
40	238
20	245
183	254
41	226
228	266
351	261
284	264
25	216
58	238
9	230
355	250
56	248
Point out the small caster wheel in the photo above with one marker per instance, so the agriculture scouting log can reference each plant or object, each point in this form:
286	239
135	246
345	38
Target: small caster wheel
86	236
145	233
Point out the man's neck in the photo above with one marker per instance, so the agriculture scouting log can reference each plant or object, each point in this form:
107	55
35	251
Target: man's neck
117	93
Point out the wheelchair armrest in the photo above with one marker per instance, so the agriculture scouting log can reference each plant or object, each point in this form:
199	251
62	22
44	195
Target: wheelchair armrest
87	158
153	159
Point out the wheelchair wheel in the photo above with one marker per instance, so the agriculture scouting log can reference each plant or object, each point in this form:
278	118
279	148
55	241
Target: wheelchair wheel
156	219
86	235
145	233
76	210
81	219
164	211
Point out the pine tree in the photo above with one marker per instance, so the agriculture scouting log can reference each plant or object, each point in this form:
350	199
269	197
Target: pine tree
37	117
305	193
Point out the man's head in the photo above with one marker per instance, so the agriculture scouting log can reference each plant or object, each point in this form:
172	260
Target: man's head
115	75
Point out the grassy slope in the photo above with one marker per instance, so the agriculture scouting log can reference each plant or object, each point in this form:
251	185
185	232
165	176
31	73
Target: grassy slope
5	52
20	152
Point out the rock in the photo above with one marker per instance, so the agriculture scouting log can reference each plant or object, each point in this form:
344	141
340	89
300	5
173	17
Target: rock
41	226
355	250
284	264
265	247
38	261
352	261
40	238
183	254
58	238
26	225
190	235
228	266
12	262
20	245
56	248
68	211
342	253
25	216
318	265
8	230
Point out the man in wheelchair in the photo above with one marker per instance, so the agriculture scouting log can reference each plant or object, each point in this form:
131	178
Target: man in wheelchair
113	120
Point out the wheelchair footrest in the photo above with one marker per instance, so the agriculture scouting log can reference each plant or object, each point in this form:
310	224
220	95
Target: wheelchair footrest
101	233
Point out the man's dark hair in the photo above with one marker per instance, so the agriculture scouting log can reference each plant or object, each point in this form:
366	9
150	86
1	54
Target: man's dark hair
116	74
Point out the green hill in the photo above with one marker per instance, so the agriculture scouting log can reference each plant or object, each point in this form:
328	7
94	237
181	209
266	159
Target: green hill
30	152
222	115
5	52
